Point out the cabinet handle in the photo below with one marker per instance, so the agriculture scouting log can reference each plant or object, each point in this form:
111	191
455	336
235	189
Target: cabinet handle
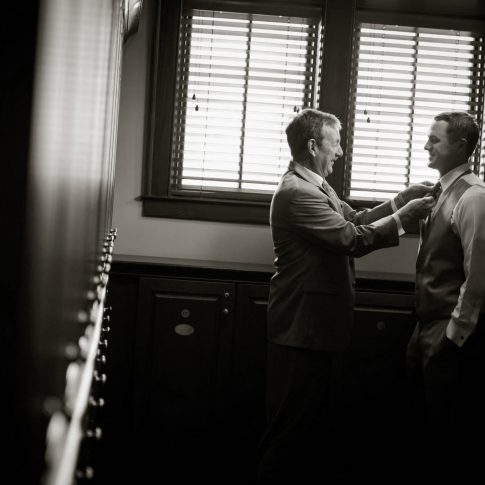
86	473
96	433
96	403
103	343
99	377
101	359
381	326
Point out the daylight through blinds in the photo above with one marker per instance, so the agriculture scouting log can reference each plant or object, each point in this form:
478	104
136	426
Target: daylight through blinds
403	77
241	78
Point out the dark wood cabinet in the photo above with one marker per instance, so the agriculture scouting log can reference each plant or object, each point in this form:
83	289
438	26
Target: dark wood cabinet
199	373
191	343
372	417
192	346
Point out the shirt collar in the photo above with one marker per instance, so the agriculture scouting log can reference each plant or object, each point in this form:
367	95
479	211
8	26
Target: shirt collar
452	175
309	175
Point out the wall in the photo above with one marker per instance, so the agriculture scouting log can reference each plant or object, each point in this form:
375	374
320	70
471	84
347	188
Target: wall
172	238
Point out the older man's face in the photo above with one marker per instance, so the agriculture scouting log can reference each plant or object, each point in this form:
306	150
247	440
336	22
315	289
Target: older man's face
328	150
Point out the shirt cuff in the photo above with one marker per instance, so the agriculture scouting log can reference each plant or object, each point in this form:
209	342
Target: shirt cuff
397	202
393	205
456	334
400	229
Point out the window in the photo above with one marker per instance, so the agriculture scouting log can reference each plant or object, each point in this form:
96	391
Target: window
401	77
226	77
241	78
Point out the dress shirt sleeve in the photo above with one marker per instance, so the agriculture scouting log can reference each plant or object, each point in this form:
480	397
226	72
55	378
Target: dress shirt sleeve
400	229
468	222
393	205
397	202
367	216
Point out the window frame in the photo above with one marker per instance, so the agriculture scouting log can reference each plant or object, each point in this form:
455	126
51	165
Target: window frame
156	198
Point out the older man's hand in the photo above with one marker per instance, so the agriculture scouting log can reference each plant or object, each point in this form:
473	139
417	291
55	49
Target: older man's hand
414	210
415	191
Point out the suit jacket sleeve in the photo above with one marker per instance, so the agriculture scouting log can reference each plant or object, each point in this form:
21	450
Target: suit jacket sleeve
367	216
310	213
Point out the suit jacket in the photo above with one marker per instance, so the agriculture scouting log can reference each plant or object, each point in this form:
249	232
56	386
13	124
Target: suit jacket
315	236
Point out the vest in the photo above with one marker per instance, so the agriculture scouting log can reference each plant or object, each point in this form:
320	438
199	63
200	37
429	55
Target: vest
439	265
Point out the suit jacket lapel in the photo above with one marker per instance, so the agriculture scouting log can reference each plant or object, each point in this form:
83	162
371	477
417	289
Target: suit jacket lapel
333	203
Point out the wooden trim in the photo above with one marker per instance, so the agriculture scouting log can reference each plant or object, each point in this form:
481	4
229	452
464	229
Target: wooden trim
457	9
302	8
206	270
336	73
206	210
161	98
421	20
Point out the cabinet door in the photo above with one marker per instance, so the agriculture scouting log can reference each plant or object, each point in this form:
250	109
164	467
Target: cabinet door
375	362
182	356
373	408
249	359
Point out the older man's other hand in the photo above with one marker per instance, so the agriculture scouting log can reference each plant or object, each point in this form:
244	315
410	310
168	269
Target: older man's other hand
415	191
414	210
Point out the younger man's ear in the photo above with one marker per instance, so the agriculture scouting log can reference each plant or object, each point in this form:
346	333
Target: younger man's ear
463	143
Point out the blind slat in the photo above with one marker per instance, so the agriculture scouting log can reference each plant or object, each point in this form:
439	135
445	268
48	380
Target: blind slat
304	25
260	18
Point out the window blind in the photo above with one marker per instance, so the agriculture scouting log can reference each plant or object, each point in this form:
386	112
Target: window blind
402	77
240	79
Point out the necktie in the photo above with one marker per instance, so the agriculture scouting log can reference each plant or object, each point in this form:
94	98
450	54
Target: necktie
331	193
436	193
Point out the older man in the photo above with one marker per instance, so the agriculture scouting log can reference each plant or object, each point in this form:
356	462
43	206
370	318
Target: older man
310	311
446	354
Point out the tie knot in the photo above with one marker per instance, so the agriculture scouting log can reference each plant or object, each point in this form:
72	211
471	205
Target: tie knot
436	190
